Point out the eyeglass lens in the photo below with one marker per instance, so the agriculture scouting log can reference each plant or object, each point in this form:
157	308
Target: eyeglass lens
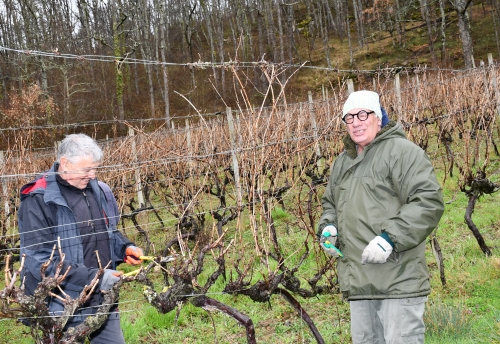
362	116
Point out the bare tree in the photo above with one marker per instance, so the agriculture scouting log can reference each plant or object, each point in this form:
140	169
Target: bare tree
143	21
443	31
323	29
427	15
360	25
292	52
464	28
279	17
162	35
270	29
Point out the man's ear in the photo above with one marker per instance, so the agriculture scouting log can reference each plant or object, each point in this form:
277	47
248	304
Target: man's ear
63	163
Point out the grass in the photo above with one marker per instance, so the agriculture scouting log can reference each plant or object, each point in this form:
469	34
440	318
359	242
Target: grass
465	310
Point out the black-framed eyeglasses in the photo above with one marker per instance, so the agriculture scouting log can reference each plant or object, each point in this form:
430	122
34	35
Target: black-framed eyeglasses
362	116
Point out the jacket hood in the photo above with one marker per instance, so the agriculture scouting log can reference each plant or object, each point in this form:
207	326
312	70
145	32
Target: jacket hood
36	186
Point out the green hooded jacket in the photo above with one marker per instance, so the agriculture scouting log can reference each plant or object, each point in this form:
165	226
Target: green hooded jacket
389	187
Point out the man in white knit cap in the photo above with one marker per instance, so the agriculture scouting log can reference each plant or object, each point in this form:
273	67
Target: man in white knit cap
381	202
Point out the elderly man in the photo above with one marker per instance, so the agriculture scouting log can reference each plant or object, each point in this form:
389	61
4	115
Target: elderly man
381	202
68	202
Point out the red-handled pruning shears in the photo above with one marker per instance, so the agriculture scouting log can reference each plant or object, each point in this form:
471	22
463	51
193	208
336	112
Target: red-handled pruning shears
156	260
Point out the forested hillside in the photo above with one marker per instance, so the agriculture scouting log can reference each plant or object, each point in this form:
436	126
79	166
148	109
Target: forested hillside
121	60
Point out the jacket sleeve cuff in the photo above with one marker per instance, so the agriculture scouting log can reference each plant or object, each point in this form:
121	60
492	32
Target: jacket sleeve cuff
386	238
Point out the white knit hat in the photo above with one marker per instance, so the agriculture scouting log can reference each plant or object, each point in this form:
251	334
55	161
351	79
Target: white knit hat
364	100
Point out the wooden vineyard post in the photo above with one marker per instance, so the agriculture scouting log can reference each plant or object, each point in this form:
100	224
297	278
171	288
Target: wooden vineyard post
327	100
190	147
398	94
485	77
416	88
350	86
5	192
312	115
493	75
232	135
138	184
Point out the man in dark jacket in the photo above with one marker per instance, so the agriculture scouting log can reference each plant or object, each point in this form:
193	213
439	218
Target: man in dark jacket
67	202
381	202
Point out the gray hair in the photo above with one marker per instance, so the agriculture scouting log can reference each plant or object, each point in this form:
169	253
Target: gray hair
77	146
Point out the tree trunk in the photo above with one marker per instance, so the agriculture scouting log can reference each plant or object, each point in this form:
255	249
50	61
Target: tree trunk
189	32
163	51
426	15
460	7
290	23
278	11
495	16
260	31
118	52
330	21
341	18
237	15
399	24
149	74
311	28
143	29
248	33
322	24
443	33
358	17
233	28
351	52
220	39
271	35
45	90
211	42
84	16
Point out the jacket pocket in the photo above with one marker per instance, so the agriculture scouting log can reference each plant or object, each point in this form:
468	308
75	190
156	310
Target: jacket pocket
395	257
412	316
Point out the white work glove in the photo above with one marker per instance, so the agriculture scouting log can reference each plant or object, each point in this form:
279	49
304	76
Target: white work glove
109	278
329	230
327	241
376	252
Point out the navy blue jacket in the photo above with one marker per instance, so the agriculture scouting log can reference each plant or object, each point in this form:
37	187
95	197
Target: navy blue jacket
44	215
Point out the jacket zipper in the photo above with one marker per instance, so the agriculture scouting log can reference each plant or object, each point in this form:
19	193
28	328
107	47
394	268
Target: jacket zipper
91	221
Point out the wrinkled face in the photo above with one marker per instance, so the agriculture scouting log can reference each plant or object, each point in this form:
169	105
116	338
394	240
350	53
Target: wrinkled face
363	132
79	172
